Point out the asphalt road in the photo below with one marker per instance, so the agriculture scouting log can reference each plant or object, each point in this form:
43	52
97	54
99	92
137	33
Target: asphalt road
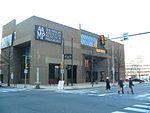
94	100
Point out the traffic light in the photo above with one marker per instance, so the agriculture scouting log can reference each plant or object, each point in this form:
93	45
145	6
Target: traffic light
102	39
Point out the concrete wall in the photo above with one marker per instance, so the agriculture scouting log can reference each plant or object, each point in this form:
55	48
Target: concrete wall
51	52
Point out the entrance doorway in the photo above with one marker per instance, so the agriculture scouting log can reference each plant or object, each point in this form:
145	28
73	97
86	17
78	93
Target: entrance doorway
93	77
24	53
69	73
102	76
54	73
1	78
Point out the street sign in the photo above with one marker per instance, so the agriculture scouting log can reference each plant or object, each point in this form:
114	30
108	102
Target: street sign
60	84
12	76
125	36
67	56
62	70
25	71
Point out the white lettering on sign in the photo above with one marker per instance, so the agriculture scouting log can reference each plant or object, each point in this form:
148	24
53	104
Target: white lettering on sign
100	51
40	32
47	34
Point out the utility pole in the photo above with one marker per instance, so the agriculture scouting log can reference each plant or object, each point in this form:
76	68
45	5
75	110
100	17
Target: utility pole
113	64
92	77
131	35
62	61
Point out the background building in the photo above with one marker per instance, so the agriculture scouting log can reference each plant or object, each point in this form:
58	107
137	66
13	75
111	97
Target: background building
35	48
141	71
1	75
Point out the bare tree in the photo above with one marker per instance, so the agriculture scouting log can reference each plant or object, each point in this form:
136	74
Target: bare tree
7	59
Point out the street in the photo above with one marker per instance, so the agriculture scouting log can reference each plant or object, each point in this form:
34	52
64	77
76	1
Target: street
92	100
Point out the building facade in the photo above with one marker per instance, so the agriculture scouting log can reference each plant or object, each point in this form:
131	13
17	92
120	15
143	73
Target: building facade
41	49
135	70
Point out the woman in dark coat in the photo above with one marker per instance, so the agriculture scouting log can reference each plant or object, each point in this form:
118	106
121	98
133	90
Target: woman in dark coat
107	84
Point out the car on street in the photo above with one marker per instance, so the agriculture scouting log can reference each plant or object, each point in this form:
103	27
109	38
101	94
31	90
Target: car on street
137	80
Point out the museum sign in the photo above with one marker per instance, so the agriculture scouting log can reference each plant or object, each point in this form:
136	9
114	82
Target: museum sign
48	34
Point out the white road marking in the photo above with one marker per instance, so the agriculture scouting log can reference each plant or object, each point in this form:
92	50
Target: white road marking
92	92
148	97
4	91
142	106
11	90
118	112
85	92
144	95
146	103
137	110
101	95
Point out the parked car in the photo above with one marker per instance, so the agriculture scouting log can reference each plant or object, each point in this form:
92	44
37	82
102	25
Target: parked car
137	80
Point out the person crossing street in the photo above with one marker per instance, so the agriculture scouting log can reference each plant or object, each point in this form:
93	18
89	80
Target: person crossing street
120	84
131	86
107	84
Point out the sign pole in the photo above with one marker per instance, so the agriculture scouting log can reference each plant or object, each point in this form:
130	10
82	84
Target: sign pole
62	61
25	72
72	62
61	82
113	64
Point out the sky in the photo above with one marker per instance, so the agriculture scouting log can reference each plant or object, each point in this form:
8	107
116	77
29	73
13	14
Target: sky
113	17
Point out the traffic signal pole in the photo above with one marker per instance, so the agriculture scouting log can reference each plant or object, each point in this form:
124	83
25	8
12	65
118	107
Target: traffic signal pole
125	36
132	35
62	61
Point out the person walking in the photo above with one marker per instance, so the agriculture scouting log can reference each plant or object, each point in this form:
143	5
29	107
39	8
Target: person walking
107	84
120	84
92	82
131	86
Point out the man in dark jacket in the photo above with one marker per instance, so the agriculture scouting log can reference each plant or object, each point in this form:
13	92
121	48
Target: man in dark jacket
131	85
120	84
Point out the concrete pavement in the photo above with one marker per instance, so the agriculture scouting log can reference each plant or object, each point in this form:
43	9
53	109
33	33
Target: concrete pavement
54	87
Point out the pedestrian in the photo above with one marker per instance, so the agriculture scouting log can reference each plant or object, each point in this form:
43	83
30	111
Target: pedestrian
120	85
92	82
107	84
131	86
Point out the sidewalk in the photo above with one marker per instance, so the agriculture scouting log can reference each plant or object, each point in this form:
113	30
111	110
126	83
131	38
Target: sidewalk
54	87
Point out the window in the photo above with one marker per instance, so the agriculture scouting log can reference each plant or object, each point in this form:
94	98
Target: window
88	40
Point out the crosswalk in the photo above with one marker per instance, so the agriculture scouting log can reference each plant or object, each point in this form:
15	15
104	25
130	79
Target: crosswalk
145	96
88	92
137	108
7	90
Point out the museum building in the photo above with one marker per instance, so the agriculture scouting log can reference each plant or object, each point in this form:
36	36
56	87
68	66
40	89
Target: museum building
41	50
